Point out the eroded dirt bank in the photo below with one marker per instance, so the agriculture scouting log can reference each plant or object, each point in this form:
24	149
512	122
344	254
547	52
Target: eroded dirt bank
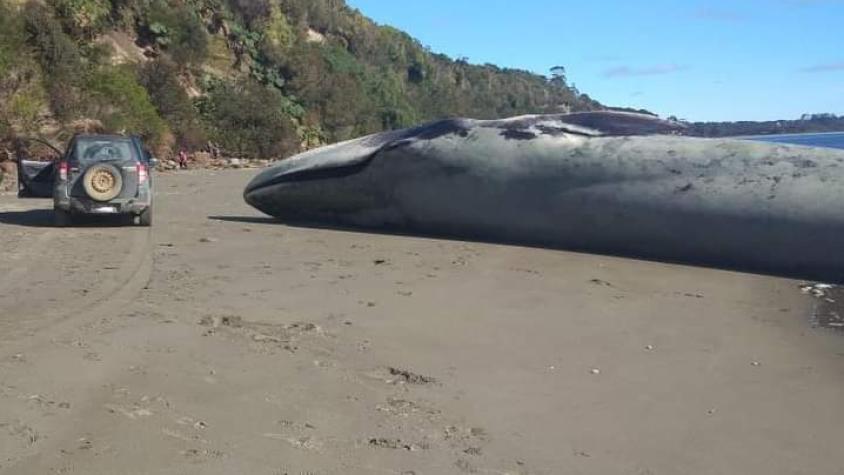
219	342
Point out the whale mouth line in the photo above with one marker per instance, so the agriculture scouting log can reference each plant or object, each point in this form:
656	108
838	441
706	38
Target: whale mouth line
314	174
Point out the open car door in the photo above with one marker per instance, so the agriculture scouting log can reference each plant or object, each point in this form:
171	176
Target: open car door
36	177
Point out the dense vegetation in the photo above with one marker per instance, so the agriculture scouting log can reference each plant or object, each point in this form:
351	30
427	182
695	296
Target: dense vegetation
256	77
810	123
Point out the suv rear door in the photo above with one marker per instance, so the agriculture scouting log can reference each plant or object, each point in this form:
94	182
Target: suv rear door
35	177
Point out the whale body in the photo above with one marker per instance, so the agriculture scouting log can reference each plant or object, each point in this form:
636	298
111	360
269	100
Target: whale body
606	182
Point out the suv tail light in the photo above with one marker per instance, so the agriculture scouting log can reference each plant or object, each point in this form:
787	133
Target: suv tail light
143	173
63	170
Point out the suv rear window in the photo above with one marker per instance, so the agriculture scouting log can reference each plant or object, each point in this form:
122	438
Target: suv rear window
89	150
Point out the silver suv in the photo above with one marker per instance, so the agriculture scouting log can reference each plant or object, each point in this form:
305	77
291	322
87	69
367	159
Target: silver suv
104	174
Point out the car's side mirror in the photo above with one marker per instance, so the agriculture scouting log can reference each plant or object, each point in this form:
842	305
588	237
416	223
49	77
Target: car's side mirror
153	162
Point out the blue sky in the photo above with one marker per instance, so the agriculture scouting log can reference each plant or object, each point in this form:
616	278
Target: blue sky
707	60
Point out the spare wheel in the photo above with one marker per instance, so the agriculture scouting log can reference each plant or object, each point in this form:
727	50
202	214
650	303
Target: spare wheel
102	182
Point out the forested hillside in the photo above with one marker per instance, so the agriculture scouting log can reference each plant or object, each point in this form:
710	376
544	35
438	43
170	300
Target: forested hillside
808	124
257	78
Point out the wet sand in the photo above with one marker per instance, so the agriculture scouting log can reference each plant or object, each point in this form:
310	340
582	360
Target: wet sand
828	308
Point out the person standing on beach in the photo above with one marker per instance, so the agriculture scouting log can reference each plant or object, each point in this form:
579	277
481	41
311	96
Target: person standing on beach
183	159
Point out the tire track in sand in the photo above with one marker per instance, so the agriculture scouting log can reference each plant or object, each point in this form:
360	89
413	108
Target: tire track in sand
13	276
106	300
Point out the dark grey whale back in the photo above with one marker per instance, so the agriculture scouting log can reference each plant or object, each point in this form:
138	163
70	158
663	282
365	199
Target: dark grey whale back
592	124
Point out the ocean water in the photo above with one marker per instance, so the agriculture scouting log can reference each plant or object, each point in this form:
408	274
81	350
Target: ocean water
831	140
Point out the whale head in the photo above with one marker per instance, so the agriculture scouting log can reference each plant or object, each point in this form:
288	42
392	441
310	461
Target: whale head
327	182
304	186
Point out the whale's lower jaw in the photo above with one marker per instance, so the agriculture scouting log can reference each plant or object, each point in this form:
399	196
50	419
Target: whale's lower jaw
272	201
331	172
296	203
259	199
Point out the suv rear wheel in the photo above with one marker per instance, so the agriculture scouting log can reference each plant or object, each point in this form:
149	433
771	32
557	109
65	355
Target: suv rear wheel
145	218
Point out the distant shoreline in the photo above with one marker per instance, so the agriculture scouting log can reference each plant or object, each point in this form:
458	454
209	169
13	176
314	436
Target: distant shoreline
767	128
794	134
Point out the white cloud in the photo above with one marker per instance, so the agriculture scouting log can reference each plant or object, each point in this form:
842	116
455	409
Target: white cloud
824	68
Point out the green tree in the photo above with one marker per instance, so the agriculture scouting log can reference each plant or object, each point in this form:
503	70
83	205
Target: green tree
22	97
248	119
161	80
122	104
178	30
83	17
253	12
558	76
59	58
329	81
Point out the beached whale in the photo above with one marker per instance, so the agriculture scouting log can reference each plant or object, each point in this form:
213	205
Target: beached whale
604	182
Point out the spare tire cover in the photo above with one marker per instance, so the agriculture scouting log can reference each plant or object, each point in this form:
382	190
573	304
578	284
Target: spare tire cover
102	182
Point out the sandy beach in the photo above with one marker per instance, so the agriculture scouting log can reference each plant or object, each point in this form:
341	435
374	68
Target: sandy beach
221	342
